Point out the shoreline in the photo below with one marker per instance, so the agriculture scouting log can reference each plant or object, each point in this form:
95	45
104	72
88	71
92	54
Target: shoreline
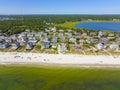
9	58
52	65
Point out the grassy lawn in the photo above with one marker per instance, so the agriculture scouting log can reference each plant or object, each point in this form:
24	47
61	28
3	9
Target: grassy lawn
67	25
58	78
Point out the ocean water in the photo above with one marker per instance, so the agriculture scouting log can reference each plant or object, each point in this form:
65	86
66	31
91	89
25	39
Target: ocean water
45	77
112	26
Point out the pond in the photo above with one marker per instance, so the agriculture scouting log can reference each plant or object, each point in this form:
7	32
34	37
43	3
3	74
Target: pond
112	26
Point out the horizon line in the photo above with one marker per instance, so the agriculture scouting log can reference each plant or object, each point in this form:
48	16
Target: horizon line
55	14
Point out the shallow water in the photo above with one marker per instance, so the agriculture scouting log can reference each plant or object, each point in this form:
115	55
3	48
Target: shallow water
58	78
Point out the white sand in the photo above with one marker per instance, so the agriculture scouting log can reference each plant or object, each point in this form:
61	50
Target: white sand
26	58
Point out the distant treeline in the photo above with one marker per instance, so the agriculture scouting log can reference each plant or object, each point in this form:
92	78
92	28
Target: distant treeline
40	22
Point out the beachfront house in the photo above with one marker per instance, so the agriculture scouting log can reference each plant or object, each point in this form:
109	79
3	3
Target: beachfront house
114	47
4	45
101	46
29	46
45	45
62	48
77	47
54	45
15	46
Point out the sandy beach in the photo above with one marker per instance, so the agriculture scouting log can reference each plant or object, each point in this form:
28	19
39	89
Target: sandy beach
67	59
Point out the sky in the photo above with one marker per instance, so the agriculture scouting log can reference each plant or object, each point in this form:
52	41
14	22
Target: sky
59	7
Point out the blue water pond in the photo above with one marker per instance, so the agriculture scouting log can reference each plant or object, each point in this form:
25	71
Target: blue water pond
113	26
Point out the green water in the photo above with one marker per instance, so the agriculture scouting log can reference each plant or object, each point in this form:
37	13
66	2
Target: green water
58	78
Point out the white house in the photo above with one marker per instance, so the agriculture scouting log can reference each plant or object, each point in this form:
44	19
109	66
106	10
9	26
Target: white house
101	33
101	46
73	40
62	48
114	47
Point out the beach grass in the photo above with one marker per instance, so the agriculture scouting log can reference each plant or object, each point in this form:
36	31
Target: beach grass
67	25
13	77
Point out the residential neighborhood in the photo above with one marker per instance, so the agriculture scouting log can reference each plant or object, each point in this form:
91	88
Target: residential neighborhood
60	41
